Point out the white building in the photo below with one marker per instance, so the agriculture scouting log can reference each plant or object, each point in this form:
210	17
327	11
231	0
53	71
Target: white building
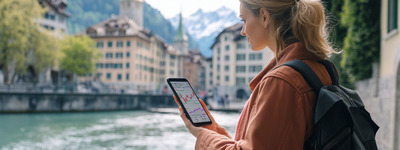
56	16
208	77
55	19
234	64
381	93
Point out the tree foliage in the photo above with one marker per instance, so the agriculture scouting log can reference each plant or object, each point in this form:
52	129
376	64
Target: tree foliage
362	42
22	41
337	34
79	54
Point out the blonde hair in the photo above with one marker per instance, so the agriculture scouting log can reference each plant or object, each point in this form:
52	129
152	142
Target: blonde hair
296	20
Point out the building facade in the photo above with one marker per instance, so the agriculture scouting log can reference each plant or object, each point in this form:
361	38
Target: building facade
134	60
209	77
381	93
234	64
54	19
138	61
56	15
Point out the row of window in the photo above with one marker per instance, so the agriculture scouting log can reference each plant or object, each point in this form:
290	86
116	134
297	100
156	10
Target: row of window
127	66
148	59
127	76
112	65
239	46
118	55
239	80
120	44
145	68
49	27
252	68
119	76
51	16
242	57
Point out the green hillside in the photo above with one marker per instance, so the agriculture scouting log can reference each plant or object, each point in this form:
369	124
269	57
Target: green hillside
85	13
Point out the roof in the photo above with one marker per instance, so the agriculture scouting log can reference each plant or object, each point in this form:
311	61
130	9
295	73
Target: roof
236	28
180	33
59	6
118	26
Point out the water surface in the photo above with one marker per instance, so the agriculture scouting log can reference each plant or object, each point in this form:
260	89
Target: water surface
139	130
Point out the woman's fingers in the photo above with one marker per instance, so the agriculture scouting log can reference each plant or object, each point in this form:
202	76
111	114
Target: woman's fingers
176	100
207	111
187	122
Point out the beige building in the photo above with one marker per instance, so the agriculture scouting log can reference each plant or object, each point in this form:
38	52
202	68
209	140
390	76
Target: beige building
234	64
381	93
137	61
134	60
194	69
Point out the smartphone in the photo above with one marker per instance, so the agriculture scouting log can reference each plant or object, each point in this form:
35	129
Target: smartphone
189	101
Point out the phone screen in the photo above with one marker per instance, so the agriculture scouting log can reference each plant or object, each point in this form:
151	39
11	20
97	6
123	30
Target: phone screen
190	102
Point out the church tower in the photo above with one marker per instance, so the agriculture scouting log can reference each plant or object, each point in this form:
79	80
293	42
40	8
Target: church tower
132	9
180	38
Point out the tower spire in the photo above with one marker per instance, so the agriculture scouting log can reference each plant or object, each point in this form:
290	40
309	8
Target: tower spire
180	38
180	35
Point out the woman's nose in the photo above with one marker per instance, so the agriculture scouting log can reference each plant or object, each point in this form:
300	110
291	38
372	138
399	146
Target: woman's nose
242	32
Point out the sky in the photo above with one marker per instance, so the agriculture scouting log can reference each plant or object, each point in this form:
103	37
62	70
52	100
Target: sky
170	8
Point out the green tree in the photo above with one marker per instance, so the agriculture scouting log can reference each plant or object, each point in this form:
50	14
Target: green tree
79	54
362	42
22	41
337	35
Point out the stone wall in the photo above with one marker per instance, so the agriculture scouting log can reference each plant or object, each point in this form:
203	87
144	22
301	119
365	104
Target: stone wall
378	96
66	102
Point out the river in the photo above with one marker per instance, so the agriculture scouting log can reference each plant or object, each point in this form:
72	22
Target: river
137	130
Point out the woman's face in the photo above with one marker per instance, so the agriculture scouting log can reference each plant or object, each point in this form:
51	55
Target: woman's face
253	28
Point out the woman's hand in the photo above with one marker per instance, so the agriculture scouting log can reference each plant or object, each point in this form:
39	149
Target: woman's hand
195	131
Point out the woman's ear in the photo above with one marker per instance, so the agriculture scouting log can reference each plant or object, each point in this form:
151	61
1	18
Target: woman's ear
264	17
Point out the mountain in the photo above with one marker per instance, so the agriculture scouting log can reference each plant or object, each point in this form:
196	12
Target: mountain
85	13
157	23
205	26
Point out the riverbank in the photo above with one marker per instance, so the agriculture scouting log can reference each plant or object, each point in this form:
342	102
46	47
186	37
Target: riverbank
78	102
16	102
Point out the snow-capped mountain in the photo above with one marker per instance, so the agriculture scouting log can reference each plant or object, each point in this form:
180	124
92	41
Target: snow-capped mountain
205	26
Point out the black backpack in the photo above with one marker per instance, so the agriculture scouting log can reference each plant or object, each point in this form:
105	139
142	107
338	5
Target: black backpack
340	119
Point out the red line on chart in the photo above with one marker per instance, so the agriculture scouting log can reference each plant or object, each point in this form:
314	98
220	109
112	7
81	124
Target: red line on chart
196	110
186	97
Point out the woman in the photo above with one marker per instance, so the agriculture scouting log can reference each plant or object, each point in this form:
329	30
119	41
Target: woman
279	113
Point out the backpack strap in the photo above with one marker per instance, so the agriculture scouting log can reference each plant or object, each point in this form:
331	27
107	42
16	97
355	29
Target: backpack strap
308	74
333	73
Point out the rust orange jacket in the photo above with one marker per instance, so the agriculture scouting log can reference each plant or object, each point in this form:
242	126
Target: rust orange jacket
279	113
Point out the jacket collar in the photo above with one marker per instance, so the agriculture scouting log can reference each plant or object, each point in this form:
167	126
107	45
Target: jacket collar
291	52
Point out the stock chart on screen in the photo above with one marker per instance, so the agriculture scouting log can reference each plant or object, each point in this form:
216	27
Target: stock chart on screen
190	102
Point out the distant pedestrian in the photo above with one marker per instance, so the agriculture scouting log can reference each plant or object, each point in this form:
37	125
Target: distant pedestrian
220	101
165	90
8	85
227	100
